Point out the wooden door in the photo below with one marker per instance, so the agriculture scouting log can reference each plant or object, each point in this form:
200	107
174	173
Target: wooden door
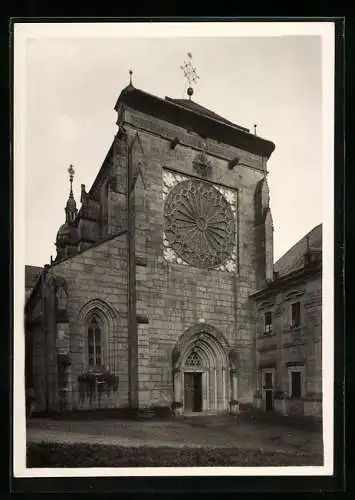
197	391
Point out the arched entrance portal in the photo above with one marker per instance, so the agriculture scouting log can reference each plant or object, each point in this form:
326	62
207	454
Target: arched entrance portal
203	379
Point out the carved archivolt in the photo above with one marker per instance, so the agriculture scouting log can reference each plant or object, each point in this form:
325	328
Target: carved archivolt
199	223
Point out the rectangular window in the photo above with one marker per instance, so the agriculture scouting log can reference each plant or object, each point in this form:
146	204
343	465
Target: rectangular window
268	323
296	385
295	315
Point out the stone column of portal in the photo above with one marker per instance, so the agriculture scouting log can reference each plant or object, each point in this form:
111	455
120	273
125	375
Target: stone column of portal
226	388
70	389
177	391
205	389
234	406
224	391
219	389
211	390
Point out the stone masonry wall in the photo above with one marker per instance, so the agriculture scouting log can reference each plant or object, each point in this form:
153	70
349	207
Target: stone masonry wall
97	274
43	352
174	297
170	297
39	368
294	347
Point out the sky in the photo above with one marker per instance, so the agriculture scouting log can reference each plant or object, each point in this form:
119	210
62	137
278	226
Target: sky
72	83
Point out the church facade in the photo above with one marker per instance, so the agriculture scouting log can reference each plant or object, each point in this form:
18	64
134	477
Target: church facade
152	299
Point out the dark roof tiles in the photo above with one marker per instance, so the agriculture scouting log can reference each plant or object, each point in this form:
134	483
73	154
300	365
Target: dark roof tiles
31	275
197	108
201	120
293	259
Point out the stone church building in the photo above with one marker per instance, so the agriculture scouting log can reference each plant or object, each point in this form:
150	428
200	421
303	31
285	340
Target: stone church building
164	287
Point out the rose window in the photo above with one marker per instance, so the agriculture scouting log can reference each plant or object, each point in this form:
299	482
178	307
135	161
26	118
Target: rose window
199	224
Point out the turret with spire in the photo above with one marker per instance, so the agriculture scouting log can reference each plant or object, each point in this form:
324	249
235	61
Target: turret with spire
70	209
65	235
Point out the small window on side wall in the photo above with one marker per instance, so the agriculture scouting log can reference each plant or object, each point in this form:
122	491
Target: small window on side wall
268	323
296	382
296	391
295	315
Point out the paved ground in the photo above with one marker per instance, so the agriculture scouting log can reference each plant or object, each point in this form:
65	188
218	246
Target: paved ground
192	432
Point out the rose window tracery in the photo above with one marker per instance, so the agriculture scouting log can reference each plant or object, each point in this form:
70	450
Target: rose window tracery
199	224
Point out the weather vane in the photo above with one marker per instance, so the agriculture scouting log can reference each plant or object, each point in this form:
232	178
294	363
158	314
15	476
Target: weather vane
190	74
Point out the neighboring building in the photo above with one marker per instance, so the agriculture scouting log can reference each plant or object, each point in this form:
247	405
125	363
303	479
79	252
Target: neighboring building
32	274
289	334
148	302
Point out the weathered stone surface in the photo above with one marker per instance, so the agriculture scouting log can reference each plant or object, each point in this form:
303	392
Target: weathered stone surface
86	283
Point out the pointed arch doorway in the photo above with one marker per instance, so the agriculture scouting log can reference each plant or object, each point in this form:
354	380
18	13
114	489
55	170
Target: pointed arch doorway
203	380
193	372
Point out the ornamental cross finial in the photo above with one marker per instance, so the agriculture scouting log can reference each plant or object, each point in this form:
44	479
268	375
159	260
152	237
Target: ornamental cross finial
71	173
190	74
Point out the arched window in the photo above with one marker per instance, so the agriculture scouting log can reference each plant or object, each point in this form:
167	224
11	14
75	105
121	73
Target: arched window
98	324
95	347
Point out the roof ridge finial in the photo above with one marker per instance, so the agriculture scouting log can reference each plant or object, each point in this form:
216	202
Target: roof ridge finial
130	77
190	74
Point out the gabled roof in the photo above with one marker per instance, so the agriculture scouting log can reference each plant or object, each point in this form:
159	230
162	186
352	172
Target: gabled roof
289	279
293	259
190	115
31	275
292	266
197	108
